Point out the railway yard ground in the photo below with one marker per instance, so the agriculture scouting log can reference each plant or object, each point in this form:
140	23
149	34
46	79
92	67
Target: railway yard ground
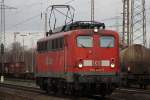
27	90
21	82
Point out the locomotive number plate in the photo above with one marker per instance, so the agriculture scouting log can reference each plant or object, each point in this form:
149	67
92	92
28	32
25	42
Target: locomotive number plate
99	70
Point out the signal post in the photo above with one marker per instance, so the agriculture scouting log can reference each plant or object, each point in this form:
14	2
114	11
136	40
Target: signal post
2	61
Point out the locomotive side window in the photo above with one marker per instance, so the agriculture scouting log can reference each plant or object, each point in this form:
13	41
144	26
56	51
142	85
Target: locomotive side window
42	46
38	47
107	41
53	44
61	43
49	45
45	46
56	44
85	41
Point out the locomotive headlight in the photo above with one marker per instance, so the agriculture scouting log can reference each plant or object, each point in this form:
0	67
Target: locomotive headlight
95	29
112	65
129	69
80	65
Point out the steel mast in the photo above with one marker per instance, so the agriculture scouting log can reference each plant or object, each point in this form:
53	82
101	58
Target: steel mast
92	10
134	22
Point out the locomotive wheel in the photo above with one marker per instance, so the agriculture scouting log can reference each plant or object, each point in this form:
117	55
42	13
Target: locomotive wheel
49	89
128	85
140	86
52	87
61	87
69	89
103	95
83	90
77	93
43	86
143	86
86	91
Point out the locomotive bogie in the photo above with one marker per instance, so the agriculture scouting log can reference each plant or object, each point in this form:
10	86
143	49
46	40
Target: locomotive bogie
55	85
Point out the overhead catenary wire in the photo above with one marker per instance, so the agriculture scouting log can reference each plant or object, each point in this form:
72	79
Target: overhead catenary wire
111	18
33	17
25	21
28	19
23	8
31	5
114	26
70	1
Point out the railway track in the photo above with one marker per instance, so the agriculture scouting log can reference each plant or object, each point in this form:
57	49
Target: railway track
131	94
15	92
63	97
40	92
133	91
20	80
24	88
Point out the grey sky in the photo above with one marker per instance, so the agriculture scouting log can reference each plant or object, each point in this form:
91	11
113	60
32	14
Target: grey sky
26	10
27	17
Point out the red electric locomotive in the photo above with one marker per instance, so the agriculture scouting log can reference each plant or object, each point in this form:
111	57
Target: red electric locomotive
81	57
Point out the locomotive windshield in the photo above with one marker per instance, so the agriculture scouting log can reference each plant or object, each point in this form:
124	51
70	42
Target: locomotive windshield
107	41
85	41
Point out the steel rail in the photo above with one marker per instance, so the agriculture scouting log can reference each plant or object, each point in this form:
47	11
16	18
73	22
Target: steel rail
37	90
132	91
24	88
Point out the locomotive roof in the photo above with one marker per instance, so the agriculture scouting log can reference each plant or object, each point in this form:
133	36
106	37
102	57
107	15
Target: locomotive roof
61	34
78	25
55	36
84	25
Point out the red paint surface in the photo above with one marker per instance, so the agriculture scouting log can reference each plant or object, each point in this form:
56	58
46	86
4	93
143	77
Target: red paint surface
66	60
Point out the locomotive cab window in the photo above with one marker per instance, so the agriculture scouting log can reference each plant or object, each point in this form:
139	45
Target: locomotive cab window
107	41
85	41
